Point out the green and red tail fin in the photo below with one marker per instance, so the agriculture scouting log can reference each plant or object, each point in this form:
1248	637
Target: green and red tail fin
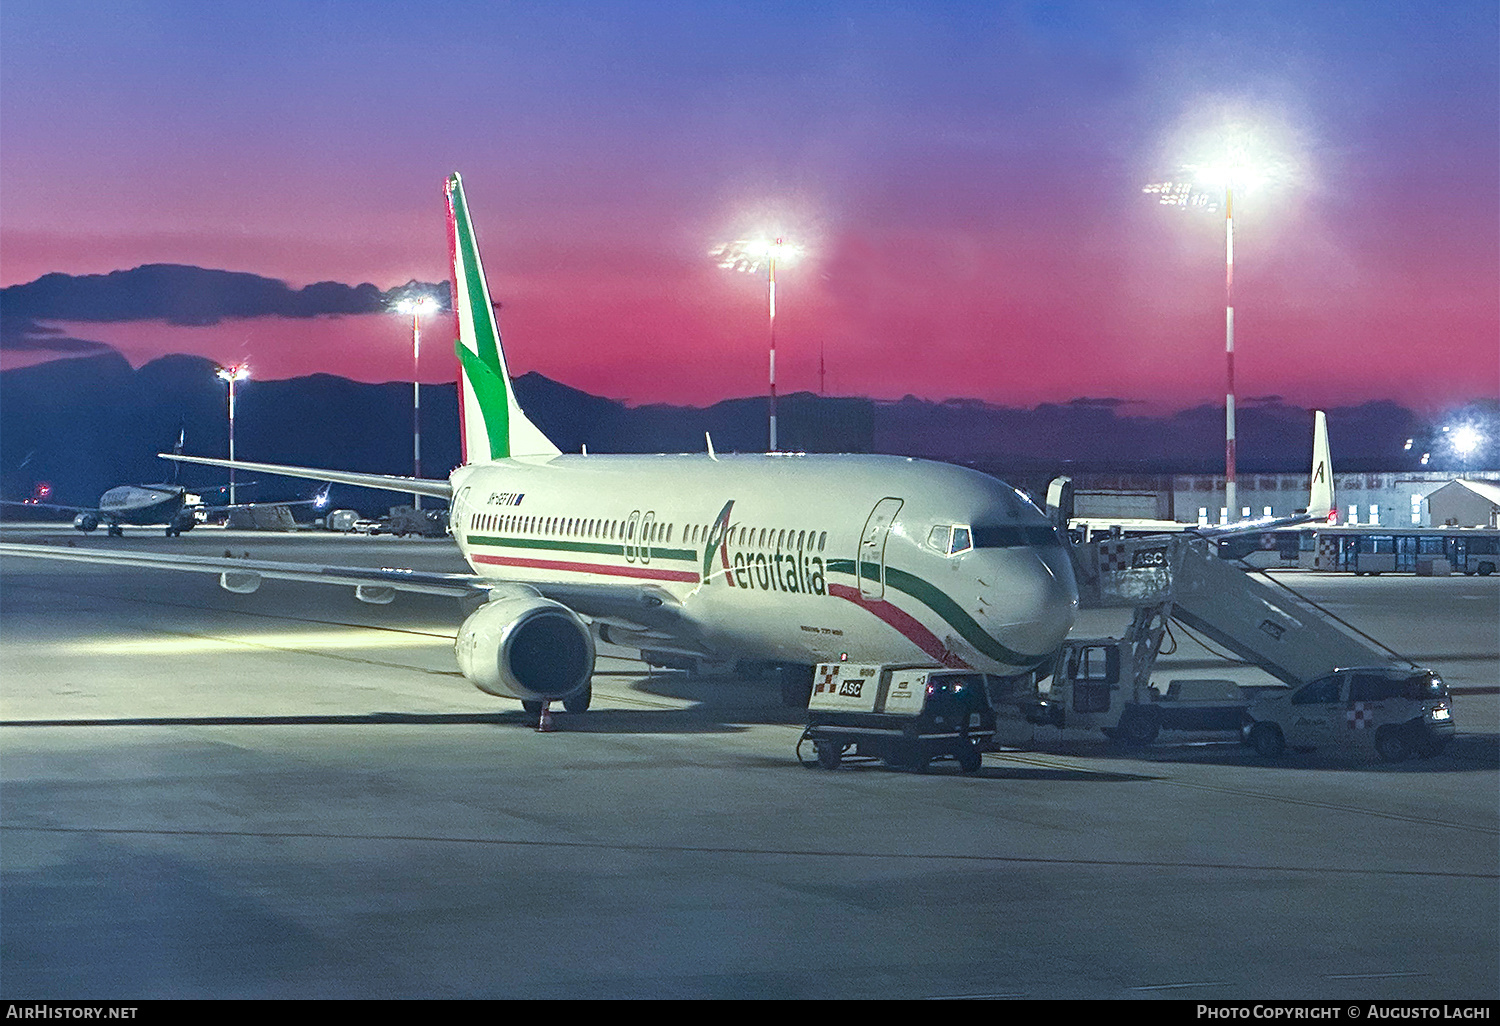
494	426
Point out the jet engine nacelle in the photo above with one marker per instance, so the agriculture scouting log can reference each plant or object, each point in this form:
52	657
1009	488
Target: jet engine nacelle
85	522
525	647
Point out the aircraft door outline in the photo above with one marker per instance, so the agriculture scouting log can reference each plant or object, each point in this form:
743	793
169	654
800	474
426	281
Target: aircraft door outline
872	548
647	524
631	526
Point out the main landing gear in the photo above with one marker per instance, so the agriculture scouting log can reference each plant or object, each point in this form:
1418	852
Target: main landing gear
578	702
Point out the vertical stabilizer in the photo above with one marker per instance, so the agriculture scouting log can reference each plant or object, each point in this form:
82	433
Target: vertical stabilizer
494	427
1320	498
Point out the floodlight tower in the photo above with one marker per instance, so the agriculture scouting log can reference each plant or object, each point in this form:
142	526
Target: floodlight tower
417	307
748	256
1229	482
1464	440
1201	192
231	374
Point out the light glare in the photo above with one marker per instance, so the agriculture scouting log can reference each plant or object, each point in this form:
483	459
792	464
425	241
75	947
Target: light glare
1465	440
750	255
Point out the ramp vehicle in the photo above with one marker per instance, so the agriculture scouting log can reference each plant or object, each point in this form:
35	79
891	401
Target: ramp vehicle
405	520
1096	683
906	715
1397	712
1105	683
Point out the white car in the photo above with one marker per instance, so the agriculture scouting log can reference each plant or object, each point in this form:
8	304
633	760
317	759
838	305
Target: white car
1399	712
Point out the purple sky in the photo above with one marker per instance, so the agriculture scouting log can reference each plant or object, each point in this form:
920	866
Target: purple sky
966	177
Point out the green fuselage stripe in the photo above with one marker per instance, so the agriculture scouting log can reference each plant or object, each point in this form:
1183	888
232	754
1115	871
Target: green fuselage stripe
938	601
596	548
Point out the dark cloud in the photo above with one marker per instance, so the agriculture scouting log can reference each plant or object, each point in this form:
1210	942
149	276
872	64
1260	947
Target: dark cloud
42	338
176	294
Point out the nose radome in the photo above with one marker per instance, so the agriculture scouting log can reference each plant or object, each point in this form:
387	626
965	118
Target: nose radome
1034	602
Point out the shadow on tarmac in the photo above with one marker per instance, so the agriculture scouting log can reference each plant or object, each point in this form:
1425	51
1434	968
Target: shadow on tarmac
1466	753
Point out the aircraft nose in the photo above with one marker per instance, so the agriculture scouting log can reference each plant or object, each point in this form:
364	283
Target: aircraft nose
1033	604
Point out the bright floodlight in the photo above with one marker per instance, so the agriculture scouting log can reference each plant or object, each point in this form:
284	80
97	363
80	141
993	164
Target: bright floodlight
237	372
1465	440
1225	149
418	306
750	255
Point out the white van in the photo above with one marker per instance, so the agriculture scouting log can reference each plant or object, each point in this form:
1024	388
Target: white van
1399	712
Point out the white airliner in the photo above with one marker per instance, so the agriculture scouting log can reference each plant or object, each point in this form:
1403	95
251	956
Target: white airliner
777	558
166	505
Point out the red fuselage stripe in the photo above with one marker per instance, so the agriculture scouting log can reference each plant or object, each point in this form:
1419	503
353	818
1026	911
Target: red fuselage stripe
645	573
909	627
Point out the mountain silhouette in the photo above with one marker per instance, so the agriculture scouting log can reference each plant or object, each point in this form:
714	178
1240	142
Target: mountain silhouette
89	423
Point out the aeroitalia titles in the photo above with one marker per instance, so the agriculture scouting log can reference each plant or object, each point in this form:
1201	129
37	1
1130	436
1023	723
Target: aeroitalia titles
791	570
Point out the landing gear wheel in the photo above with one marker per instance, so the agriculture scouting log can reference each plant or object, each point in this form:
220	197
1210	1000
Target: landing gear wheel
1267	741
830	754
116	531
1393	744
580	702
534	708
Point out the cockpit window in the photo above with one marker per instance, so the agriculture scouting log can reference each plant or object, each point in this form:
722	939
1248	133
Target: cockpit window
960	541
937	538
1012	536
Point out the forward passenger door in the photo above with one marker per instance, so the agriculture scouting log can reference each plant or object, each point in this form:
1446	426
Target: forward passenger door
870	565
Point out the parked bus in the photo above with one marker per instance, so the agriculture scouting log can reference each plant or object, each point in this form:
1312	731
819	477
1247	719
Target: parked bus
1371	549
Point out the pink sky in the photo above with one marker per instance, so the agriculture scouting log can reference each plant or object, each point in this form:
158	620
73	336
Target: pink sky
967	180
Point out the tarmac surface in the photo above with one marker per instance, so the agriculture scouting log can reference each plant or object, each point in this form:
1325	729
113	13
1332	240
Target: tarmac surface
293	794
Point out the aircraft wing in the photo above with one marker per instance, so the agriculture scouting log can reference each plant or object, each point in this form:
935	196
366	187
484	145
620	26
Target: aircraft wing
640	607
321	499
388	482
54	506
248	571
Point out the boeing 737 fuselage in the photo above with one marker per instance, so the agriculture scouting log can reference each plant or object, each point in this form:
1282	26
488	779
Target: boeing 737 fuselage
785	558
775	559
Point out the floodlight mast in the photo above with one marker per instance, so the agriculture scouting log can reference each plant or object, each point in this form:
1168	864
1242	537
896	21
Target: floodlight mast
771	292
231	374
1186	195
743	255
416	307
1230	491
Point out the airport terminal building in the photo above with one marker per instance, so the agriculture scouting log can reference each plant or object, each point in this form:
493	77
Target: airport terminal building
1390	499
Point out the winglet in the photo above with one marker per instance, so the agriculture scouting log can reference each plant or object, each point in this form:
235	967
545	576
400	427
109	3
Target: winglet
1320	496
494	426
